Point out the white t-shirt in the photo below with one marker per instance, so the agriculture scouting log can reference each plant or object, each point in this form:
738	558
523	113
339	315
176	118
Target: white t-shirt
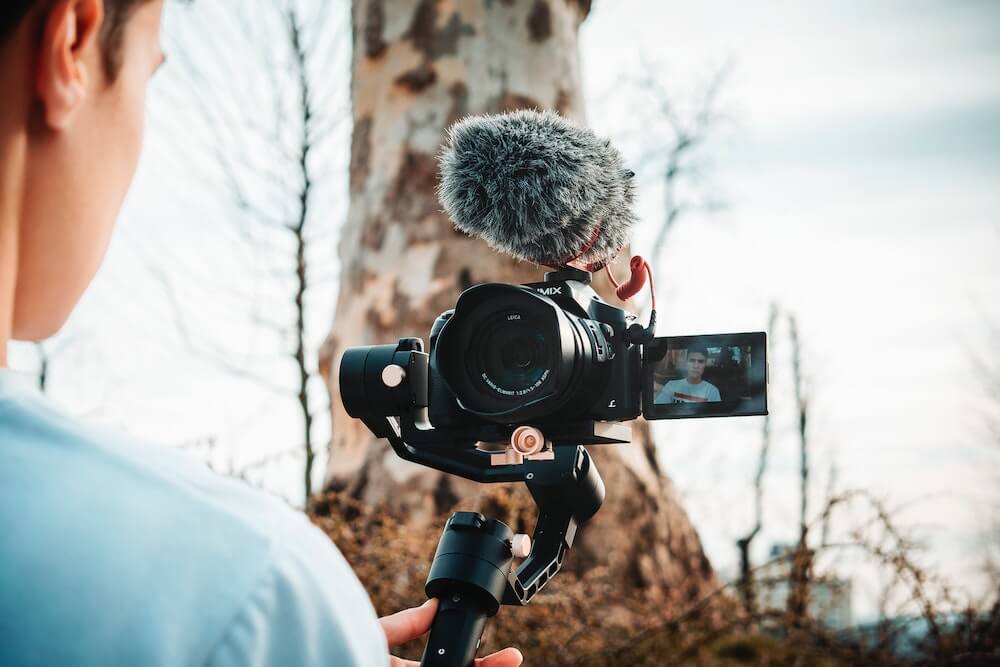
682	391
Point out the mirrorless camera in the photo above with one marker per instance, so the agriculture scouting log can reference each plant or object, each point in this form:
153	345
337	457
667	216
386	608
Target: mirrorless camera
556	356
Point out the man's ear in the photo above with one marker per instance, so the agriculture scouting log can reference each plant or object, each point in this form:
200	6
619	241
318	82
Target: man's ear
70	27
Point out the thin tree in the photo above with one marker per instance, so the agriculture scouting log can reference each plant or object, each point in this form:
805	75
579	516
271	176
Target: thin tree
268	137
49	351
798	599
744	544
677	137
44	359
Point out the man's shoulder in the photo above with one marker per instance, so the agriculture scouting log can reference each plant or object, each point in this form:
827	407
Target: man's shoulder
56	458
157	547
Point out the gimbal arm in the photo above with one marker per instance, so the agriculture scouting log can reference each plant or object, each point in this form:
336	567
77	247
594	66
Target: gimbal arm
568	490
452	458
568	496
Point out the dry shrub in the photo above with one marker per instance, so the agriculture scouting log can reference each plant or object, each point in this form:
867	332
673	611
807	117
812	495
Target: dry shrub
584	620
575	615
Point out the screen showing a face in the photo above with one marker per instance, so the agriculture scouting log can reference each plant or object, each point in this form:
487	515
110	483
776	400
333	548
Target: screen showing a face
705	376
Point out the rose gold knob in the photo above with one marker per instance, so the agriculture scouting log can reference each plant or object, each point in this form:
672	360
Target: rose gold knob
520	545
393	375
527	440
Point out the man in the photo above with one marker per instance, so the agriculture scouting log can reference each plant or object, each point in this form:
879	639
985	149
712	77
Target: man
114	553
692	388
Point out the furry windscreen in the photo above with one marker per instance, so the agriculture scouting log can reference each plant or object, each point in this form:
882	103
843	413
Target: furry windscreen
536	186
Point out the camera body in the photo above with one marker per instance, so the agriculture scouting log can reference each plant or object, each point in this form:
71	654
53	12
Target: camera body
551	352
551	355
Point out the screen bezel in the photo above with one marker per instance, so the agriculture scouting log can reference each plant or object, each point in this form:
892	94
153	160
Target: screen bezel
654	352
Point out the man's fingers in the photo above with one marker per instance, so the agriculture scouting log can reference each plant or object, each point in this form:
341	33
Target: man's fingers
509	657
399	662
408	624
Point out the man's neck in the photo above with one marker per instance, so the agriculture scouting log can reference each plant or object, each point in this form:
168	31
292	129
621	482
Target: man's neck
694	380
16	84
12	152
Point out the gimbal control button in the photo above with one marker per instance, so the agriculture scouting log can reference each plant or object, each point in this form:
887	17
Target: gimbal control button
393	376
410	344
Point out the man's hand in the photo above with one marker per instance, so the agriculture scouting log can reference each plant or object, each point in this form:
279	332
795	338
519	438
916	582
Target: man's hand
409	624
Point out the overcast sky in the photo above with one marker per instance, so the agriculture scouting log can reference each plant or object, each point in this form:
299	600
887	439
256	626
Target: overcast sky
862	175
860	166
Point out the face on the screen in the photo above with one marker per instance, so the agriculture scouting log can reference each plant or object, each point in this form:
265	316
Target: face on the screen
706	376
695	366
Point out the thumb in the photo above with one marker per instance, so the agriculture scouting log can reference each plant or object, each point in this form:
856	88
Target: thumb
408	624
509	657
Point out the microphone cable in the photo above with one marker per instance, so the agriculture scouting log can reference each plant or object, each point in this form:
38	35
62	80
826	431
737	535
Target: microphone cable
640	270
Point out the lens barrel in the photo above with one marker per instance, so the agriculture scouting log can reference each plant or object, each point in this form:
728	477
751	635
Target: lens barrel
513	353
509	354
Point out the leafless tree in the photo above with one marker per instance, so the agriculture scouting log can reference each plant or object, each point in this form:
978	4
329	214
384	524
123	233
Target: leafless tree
743	544
49	351
988	431
43	366
676	142
798	599
256	91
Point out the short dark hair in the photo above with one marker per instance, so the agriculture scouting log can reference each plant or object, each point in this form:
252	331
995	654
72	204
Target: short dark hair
698	349
112	34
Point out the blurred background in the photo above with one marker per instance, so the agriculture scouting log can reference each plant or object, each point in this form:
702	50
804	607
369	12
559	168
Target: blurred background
827	172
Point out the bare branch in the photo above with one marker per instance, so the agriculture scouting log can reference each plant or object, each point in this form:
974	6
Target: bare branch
744	544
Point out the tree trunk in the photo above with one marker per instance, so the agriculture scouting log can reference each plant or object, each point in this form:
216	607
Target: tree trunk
417	68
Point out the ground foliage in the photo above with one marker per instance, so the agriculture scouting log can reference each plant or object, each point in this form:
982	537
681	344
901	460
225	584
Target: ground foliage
580	619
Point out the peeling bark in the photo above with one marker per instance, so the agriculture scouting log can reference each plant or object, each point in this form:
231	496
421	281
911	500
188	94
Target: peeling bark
540	21
374	20
418	78
403	263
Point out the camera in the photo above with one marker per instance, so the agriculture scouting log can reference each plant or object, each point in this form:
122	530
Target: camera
541	352
554	355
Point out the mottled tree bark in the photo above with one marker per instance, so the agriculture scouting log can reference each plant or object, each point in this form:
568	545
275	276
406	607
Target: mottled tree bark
418	67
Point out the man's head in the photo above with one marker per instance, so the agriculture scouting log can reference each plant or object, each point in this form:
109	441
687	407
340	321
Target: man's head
111	34
696	359
74	73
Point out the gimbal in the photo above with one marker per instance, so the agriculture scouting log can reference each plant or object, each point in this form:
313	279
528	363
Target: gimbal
472	572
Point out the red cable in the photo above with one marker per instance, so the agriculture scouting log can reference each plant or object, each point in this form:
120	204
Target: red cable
652	289
611	276
640	269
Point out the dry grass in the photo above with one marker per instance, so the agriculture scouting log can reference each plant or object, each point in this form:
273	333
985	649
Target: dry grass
585	621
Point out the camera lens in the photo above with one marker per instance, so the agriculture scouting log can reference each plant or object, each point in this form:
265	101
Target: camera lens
512	358
507	355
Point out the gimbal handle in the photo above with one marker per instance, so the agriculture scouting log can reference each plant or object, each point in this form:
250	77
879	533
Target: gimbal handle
468	575
471	572
455	635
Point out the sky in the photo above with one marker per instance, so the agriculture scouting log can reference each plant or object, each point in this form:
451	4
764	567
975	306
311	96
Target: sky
860	168
858	159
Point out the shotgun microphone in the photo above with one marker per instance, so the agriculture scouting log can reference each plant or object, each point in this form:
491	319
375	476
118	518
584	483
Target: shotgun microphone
537	187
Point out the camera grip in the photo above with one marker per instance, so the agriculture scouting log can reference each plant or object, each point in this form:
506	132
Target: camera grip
455	633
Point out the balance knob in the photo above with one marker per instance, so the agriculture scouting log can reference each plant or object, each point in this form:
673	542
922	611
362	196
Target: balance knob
520	545
393	376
